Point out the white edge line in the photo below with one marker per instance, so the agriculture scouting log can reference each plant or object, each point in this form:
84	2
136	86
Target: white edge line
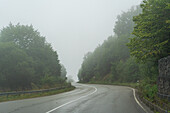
134	94
74	100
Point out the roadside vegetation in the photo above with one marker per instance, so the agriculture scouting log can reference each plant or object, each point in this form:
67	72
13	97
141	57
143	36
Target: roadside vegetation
130	56
28	62
34	95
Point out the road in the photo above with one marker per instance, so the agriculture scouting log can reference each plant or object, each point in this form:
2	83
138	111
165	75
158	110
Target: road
84	99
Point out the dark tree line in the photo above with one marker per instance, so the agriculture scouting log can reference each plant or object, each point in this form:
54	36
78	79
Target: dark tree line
110	61
26	59
141	38
152	31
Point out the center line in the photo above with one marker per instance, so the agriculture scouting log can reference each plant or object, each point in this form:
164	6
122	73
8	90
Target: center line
74	100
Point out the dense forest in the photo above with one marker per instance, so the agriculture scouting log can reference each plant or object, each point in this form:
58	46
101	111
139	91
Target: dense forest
141	38
27	61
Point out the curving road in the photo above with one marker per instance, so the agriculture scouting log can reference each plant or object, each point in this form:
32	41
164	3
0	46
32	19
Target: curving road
84	99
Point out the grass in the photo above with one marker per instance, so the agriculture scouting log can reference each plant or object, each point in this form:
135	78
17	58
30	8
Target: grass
34	95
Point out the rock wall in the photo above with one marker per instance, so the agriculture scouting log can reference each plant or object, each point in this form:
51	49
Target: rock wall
164	76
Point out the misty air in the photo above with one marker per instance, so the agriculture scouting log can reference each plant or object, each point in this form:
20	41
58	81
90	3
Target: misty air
85	56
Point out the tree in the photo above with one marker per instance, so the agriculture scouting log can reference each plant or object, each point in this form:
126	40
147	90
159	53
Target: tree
41	62
109	59
152	31
63	72
124	24
22	35
70	79
16	70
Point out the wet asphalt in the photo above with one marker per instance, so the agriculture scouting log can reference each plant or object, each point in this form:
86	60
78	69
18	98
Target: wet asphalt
84	99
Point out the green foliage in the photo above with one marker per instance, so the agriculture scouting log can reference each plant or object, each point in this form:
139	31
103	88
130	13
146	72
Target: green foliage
148	69
50	81
149	88
15	68
63	72
23	36
111	61
141	39
125	24
34	95
26	59
152	31
127	71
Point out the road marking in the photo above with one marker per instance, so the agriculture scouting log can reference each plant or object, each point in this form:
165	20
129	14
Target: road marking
73	92
79	91
74	100
134	94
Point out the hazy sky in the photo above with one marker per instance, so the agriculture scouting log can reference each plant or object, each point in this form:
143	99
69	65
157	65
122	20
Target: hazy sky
73	27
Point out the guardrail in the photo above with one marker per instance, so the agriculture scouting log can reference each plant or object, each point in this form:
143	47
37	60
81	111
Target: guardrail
157	107
30	92
163	96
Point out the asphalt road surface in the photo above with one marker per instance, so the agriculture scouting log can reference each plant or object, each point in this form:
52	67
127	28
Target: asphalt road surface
84	99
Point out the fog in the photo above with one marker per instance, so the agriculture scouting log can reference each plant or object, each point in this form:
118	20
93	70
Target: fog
73	27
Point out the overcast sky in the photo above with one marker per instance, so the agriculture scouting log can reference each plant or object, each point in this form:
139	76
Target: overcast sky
73	27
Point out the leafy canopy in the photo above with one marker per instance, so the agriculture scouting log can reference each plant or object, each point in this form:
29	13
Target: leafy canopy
26	58
152	31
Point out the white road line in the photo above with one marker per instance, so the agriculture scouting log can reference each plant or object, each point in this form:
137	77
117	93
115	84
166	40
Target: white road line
134	94
70	93
74	100
79	91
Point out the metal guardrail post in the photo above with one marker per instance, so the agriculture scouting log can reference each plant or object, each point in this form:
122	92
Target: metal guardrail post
29	92
155	107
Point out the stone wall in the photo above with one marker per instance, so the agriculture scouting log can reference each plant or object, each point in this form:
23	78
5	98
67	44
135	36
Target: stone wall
164	76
